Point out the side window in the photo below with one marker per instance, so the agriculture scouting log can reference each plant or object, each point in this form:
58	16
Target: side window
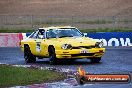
51	33
34	34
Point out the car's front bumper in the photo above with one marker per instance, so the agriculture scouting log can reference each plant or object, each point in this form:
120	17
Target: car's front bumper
75	53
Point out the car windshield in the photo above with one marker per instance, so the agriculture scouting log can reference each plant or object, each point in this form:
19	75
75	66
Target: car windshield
63	32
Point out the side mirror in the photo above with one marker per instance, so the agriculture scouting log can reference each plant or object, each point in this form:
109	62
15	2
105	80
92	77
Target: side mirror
85	34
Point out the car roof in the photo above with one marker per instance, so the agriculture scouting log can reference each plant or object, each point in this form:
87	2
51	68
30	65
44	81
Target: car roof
54	27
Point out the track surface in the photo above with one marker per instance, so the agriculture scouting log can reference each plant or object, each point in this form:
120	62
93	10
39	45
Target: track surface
115	60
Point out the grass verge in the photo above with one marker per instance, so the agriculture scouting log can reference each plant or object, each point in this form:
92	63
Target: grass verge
29	30
12	76
105	30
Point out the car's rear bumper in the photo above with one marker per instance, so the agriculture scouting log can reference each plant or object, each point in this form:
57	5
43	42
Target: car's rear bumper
94	52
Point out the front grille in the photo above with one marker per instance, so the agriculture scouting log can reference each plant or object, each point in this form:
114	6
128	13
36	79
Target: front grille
86	47
82	54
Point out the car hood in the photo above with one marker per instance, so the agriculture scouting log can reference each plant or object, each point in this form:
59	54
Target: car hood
74	41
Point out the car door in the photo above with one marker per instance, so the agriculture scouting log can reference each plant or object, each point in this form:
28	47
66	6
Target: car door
40	43
32	42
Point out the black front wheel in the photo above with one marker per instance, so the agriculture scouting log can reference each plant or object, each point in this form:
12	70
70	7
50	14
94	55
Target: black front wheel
52	58
29	57
95	60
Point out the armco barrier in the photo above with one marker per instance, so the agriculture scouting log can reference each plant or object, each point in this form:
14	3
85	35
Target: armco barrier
10	39
108	38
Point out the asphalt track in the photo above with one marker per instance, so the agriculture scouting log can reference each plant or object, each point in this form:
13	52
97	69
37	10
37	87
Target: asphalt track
115	60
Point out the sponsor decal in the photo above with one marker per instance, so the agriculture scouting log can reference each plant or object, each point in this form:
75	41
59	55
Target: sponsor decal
38	48
123	78
116	42
112	38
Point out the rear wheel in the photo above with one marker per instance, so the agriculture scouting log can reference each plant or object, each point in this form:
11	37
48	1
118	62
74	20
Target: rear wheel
29	57
52	58
95	60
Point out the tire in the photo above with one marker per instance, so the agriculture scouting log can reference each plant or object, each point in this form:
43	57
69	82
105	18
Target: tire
29	57
95	60
52	58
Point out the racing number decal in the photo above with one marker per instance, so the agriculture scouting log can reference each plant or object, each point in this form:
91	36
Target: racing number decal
38	48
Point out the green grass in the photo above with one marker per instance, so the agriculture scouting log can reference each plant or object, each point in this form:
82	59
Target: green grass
29	30
12	76
95	21
50	23
105	30
78	21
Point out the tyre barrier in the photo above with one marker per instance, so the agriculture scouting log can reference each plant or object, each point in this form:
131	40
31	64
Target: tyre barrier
10	39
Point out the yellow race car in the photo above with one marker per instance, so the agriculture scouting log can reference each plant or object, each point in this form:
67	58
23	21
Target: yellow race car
60	43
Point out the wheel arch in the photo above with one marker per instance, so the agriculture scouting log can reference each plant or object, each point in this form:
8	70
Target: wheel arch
26	45
50	47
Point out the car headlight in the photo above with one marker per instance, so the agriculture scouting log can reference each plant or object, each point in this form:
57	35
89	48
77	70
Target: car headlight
66	46
99	44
